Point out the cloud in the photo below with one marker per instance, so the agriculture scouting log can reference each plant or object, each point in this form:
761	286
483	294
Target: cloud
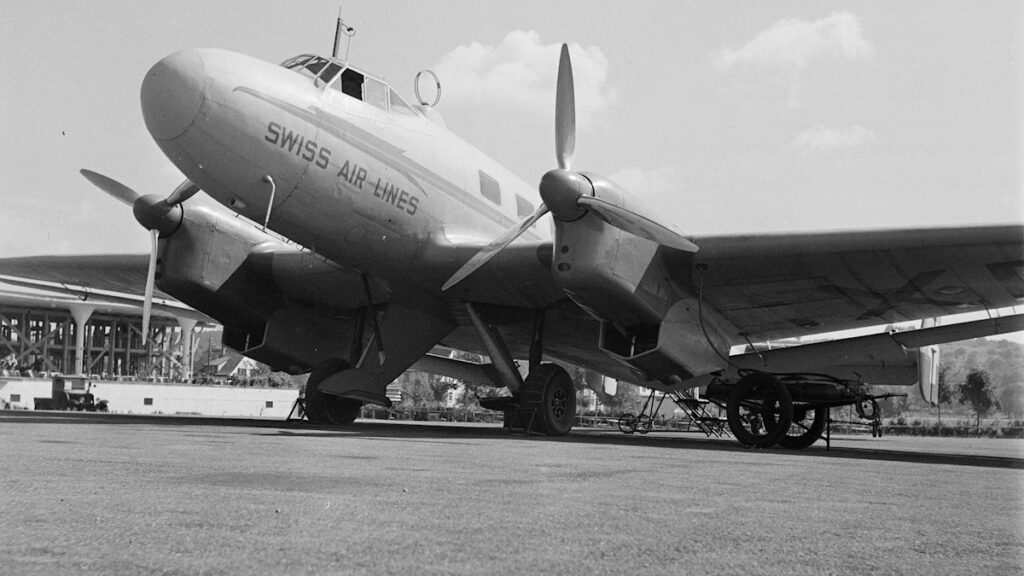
823	139
793	44
520	72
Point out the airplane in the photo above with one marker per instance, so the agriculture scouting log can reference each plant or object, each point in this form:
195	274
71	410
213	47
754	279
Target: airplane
367	234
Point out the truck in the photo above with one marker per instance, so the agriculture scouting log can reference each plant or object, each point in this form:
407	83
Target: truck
71	393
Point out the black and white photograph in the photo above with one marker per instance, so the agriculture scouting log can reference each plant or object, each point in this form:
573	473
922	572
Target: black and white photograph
526	287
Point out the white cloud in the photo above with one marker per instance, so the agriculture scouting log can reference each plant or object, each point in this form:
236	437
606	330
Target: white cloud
793	44
520	72
824	139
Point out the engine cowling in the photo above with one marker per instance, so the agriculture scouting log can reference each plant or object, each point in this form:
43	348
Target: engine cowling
222	267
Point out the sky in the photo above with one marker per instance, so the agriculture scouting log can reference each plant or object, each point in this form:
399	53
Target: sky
729	117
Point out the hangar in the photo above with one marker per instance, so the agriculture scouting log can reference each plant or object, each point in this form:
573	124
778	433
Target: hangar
43	332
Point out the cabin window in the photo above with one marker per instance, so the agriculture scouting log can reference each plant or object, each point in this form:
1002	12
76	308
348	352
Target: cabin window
375	93
523	206
147	401
489	188
398	105
15	397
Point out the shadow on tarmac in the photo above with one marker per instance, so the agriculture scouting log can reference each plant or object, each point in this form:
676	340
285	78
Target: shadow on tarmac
451	433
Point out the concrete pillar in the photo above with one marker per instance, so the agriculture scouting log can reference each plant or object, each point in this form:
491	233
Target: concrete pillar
188	328
81	314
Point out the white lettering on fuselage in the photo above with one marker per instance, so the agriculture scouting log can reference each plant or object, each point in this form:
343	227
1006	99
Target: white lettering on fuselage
302	147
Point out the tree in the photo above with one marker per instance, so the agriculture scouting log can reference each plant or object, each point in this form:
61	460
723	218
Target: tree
977	391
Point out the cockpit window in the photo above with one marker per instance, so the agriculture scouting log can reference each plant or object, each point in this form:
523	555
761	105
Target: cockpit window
330	71
351	83
375	93
399	106
315	65
296	62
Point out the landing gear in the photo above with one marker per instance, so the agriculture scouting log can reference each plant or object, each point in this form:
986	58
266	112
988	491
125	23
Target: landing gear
548	399
808	424
760	410
325	408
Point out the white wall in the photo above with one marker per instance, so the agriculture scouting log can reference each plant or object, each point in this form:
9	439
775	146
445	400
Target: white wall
129	398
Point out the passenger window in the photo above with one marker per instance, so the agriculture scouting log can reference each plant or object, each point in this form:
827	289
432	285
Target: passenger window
398	105
375	93
523	206
489	188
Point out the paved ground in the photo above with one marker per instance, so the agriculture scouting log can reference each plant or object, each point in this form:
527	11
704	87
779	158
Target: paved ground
145	495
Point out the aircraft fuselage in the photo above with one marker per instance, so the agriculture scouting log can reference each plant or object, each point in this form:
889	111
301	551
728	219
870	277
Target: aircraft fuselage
378	190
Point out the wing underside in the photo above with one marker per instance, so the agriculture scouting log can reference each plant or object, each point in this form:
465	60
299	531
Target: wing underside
782	286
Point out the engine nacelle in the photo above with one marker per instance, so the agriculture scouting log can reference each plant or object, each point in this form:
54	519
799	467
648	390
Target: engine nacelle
218	265
616	276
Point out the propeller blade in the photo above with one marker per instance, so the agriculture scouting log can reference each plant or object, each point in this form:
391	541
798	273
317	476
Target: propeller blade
111	186
636	224
565	112
184	191
489	251
147	304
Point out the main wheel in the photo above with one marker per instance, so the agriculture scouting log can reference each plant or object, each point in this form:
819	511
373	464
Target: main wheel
548	390
326	408
808	424
760	410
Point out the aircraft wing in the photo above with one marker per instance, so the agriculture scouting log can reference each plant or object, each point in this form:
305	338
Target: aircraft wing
788	285
122	278
121	273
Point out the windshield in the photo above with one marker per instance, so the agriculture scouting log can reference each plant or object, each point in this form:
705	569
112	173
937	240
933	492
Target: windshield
350	82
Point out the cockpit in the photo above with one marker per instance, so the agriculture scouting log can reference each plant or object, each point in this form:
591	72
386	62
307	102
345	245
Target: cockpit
349	81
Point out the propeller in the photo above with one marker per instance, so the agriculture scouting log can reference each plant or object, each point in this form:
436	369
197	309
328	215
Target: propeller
161	216
568	195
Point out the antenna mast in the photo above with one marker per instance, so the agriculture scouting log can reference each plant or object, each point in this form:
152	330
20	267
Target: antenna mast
340	29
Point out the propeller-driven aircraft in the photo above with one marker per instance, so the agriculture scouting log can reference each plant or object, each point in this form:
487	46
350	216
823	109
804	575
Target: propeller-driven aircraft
372	234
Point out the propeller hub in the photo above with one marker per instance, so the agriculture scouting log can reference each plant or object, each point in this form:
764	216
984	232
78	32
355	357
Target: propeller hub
561	189
156	214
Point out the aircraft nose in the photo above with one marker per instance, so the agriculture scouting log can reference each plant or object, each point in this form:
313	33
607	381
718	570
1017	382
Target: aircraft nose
172	94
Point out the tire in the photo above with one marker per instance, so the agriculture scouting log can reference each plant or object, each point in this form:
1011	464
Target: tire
760	410
627	423
326	408
804	432
644	424
548	390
